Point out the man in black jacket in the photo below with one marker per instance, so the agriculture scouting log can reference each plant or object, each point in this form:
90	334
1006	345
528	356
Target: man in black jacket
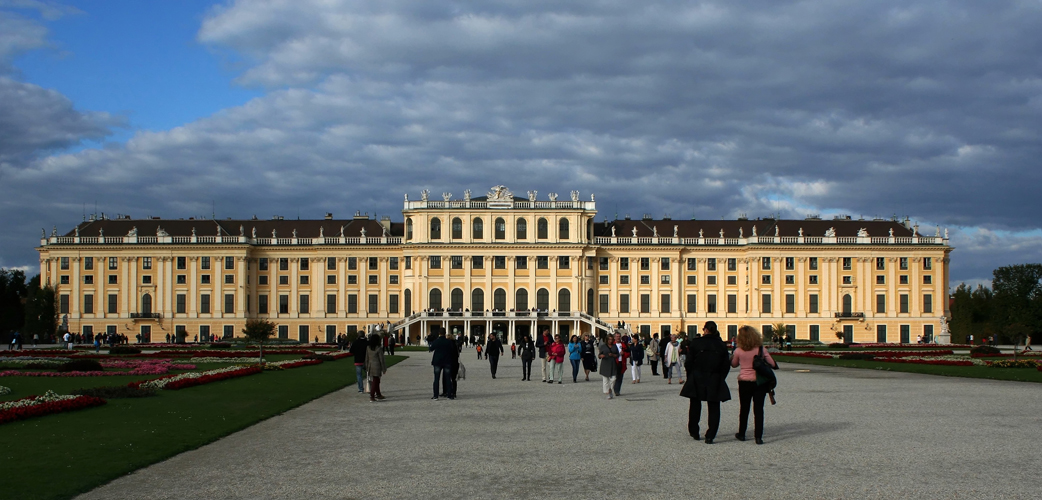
444	350
493	349
662	355
358	350
707	367
542	342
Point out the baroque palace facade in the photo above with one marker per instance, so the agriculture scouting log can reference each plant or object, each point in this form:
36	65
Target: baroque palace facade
500	264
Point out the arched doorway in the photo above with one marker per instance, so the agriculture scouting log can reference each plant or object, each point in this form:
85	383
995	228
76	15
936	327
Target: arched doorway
146	304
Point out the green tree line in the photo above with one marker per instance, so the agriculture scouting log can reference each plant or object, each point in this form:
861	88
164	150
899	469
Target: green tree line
1011	309
26	307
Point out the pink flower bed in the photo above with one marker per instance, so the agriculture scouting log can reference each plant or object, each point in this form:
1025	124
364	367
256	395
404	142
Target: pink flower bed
303	362
905	354
940	362
147	367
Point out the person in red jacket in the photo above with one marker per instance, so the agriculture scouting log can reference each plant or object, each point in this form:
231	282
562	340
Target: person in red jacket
623	360
555	353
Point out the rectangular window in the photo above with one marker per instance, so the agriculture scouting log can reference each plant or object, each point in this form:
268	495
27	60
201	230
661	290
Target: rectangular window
790	263
283	280
928	303
732	264
603	299
881	334
88	304
88	263
645	279
711	303
146	280
229	331
477	262
392	263
812	303
765	279
352	263
711	264
305	279
521	262
765	263
352	303
733	280
664	279
229	279
624	263
457	262
283	331
262	304
87	279
146	263
766	303
564	262
880	263
113	303
790	303
408	262
880	279
927	263
624	279
283	304
283	264
374	279
847	280
330	303
664	305
692	303
330	279
303	332
603	279
692	264
204	263
645	263
352	280
664	264
204	303
181	306
374	301
880	303
392	303
392	279
847	265
542	262
624	303
374	264
710	280
812	279
903	263
113	263
692	280
204	279
732	331
645	303
790	279
812	263
906	333
305	304
330	263
927	279
815	333
182	263
113	279
262	263
229	303
434	261
63	304
603	263
499	262
304	264
732	303
229	263
903	303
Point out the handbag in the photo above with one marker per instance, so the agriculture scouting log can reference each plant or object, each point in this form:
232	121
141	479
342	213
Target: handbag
764	372
462	373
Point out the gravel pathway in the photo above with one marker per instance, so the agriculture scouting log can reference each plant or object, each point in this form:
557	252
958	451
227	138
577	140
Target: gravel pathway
835	433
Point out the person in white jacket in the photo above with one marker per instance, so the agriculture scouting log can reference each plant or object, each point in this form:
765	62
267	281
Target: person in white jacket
671	363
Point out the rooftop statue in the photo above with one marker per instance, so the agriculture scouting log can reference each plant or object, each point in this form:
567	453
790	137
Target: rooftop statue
532	195
193	232
321	231
77	232
699	233
891	232
274	233
101	233
242	230
634	231
363	232
133	232
446	196
721	233
161	232
613	231
675	229
466	195
253	232
862	233
654	231
776	230
830	232
740	233
575	196
294	232
500	193
801	232
754	230
553	196
424	194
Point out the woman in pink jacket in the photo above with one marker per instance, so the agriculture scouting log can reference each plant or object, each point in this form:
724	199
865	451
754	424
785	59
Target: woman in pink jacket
556	355
749	346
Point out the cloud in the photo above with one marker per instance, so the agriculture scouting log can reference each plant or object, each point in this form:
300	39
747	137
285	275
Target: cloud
708	110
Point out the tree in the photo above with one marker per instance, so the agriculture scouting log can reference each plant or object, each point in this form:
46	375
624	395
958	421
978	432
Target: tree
780	331
972	311
41	310
13	291
259	331
1016	300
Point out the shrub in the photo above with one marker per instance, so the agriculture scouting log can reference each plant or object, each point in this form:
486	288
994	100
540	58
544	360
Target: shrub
81	365
857	355
1009	363
123	349
839	345
985	349
115	392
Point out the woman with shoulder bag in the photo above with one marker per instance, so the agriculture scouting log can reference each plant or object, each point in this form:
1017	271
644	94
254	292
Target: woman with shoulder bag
749	347
527	352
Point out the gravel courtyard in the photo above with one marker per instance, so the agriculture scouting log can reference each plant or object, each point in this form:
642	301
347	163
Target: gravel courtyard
835	433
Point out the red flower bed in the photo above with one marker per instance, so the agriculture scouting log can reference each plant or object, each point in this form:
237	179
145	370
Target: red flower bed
48	408
903	354
303	362
38	353
819	355
206	379
939	362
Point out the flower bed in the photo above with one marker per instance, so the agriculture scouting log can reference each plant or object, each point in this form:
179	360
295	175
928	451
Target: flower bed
905	354
294	363
41	353
1009	363
184	380
1030	354
920	359
49	403
147	367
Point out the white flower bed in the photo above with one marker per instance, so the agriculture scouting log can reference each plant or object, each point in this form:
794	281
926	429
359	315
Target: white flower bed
162	382
224	360
48	397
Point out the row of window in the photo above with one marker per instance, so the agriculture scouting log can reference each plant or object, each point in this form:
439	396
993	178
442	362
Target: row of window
765	263
766	304
499	229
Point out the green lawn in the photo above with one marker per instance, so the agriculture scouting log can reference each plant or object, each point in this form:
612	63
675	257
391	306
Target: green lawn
1015	374
91	447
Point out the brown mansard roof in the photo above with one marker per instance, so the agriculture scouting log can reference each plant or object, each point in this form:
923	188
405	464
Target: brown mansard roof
208	227
764	227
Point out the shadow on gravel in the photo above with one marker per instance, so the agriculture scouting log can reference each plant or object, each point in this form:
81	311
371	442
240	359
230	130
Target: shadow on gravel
808	429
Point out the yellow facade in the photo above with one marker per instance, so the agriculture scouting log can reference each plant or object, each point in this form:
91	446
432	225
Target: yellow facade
483	264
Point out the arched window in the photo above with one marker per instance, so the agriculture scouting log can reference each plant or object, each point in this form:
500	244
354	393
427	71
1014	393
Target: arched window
541	229
477	300
522	229
847	304
542	300
521	300
435	301
499	299
562	229
564	300
589	302
408	302
457	299
408	229
479	229
457	228
501	228
435	228
146	304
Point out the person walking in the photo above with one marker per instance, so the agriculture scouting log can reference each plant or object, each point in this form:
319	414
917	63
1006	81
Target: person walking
527	355
477	347
375	367
542	343
575	352
513	350
608	353
622	342
662	345
443	349
671	359
36	338
652	354
555	355
589	355
454	365
636	359
750	345
358	348
707	369
493	350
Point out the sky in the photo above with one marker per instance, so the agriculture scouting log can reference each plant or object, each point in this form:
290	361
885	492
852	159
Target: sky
930	110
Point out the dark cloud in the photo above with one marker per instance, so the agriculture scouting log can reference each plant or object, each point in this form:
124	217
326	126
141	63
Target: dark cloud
709	110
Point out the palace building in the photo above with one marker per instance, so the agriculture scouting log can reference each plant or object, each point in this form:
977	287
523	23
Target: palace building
501	264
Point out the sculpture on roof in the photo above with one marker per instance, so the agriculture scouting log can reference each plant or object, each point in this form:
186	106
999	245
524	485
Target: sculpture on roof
654	231
385	233
466	195
553	196
938	234
891	232
424	194
133	232
862	233
406	197
363	232
274	233
294	232
945	233
776	231
801	232
77	232
830	232
54	232
101	233
721	232
575	196
699	233
740	232
634	231
613	231
500	193
253	232
446	196
592	198
675	229
532	195
321	231
341	231
161	232
242	231
43	233
754	230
